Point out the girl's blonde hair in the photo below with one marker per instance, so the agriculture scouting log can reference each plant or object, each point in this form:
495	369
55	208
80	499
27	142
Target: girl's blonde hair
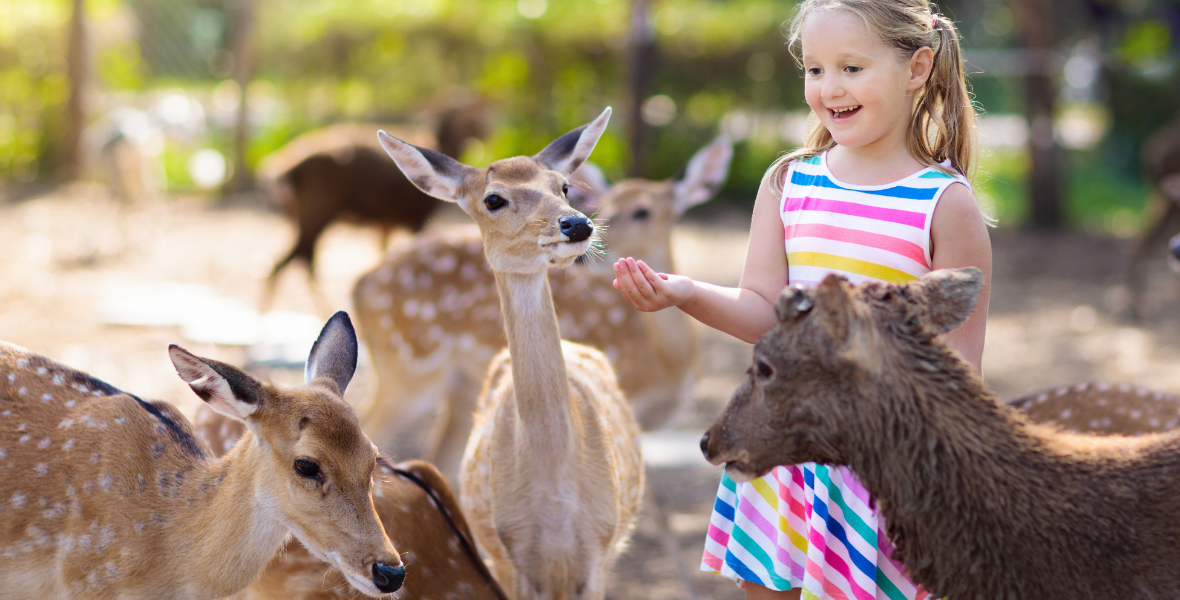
942	125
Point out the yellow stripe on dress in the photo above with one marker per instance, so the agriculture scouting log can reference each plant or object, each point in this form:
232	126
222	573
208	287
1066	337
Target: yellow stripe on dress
771	498
849	265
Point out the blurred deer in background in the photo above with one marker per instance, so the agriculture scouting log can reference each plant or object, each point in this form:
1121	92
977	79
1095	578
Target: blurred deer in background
1102	408
431	318
421	516
1161	163
109	496
552	479
340	172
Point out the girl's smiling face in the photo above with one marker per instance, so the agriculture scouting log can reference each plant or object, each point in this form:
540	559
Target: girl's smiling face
861	90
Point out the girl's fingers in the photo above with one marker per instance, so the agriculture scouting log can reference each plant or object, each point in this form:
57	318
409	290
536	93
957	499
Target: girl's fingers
641	283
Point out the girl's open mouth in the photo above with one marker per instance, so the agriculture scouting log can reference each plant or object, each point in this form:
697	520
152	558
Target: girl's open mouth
844	113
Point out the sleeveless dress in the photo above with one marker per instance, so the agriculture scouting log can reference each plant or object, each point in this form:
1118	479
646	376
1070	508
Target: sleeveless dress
808	525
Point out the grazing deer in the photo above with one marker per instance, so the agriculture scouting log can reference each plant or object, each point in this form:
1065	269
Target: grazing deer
341	172
421	516
1102	408
1161	164
430	316
106	495
551	479
978	502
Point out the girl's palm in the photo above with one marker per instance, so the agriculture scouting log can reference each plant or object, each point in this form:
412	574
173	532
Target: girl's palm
647	290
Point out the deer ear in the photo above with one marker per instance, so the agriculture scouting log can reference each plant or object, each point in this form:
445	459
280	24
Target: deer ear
949	296
705	174
587	185
568	152
333	355
227	389
835	306
434	173
793	304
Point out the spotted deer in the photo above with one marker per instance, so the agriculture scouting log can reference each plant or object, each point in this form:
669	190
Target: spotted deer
1102	408
551	480
421	515
106	495
431	319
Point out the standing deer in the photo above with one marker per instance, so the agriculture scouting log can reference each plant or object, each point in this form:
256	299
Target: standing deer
1161	163
419	512
1102	408
552	478
106	495
341	172
979	503
431	319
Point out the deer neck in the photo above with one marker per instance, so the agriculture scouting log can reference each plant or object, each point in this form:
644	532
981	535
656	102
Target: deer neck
542	392
232	529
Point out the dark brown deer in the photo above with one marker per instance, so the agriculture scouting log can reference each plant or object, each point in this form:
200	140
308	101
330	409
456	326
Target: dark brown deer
979	502
421	516
341	172
1161	164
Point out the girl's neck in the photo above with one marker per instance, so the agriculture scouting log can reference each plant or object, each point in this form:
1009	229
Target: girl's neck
873	164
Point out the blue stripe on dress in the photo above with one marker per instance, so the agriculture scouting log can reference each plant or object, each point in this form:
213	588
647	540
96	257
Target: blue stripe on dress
900	191
863	564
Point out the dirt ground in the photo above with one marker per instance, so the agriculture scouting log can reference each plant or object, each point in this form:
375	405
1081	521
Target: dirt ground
72	262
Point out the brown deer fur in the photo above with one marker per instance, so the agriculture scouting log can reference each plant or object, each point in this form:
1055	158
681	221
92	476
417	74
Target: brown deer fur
1102	408
438	564
978	502
552	478
341	172
108	496
431	344
1161	165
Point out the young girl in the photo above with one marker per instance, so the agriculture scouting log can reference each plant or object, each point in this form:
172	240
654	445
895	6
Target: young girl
878	193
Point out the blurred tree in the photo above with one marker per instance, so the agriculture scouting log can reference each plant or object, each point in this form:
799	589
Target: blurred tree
1034	23
77	59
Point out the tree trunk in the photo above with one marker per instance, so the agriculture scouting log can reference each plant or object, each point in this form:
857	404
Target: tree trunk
1034	22
77	68
241	14
641	64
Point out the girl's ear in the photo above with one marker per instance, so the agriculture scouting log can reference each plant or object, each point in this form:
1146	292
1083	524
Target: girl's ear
921	65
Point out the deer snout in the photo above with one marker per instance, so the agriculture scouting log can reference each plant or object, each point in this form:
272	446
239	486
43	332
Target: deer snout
577	228
705	445
388	579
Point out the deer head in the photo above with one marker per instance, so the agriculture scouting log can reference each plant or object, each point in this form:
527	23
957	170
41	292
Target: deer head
317	465
819	374
518	203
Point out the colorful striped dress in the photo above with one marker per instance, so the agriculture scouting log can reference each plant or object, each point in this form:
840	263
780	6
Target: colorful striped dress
812	526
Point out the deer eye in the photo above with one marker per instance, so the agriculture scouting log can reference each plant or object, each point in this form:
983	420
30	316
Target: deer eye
494	202
763	370
565	189
307	468
641	214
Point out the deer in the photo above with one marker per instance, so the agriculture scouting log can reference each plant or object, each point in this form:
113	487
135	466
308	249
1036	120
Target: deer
1102	408
1161	165
421	515
107	495
340	172
432	324
551	480
978	502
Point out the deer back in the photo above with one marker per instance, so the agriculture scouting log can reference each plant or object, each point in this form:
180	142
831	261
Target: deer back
1102	408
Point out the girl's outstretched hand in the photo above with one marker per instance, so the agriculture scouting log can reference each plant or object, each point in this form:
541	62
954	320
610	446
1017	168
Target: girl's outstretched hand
647	290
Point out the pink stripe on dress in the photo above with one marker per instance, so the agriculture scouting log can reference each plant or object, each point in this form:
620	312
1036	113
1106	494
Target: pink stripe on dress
888	243
892	215
837	563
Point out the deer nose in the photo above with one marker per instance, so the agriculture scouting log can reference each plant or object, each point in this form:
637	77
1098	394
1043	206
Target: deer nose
576	228
388	579
705	444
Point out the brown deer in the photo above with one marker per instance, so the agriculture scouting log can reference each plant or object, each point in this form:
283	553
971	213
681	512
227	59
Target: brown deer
552	478
109	496
341	172
1102	408
979	502
421	516
431	319
1161	164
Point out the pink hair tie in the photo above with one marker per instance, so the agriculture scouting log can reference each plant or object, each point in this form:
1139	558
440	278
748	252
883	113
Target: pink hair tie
933	21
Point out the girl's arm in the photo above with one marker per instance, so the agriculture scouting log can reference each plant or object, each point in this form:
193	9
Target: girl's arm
745	312
958	238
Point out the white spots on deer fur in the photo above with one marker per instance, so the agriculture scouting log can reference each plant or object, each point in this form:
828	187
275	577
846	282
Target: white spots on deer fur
385	274
24	438
405	276
18	500
22	363
468	271
444	264
616	315
157	449
427	311
1062	391
22	391
94	457
138	528
1065	414
612	353
42	371
1101	402
1040	399
112	570
65	424
1135	414
435	333
11	377
88	488
58	380
70	403
410	308
69	444
228	443
3	453
22	426
120	421
1124	387
1154	422
466	341
92	579
106	480
54	511
46	397
44	443
41	469
385	321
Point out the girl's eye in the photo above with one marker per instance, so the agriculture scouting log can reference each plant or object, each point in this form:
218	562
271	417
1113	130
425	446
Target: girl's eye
816	71
307	468
494	202
852	69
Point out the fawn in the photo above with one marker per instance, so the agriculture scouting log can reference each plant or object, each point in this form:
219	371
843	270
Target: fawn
111	496
551	480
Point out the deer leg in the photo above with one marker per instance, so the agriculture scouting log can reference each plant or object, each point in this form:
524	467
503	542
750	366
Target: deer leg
1149	244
